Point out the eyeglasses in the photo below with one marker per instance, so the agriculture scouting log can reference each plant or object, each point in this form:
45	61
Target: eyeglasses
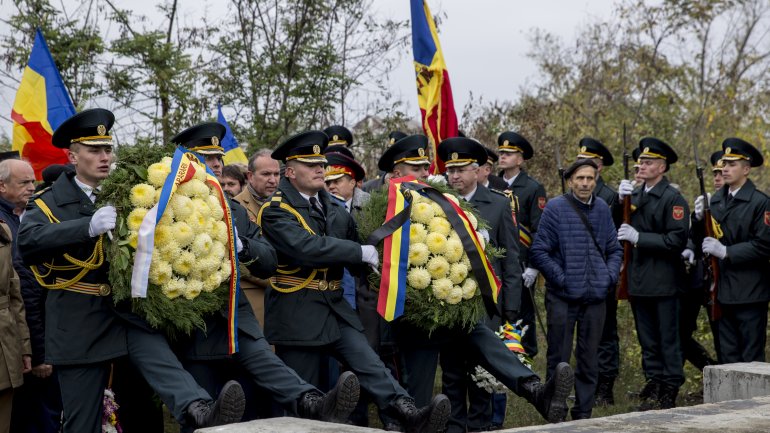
451	171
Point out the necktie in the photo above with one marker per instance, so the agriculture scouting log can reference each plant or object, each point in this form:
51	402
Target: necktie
317	207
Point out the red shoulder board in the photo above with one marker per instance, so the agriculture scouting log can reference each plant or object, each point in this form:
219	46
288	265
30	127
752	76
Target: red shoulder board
678	212
767	218
541	202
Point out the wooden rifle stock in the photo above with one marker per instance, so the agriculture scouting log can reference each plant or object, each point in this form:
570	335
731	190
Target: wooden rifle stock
622	292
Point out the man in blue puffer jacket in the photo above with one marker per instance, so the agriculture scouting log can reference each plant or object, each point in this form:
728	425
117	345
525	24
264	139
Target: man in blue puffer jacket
579	270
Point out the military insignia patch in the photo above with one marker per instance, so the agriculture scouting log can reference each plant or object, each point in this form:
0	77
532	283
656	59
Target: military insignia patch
336	137
316	149
728	151
215	141
506	142
101	130
454	155
583	149
678	213
541	202
421	151
767	218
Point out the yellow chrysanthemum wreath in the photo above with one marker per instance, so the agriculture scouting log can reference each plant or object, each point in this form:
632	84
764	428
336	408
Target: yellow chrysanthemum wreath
190	266
441	288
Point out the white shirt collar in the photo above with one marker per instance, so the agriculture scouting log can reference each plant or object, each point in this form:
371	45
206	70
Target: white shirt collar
733	193
88	190
470	195
511	180
307	197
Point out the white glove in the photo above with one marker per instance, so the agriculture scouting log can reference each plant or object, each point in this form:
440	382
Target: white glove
689	256
369	255
699	206
625	189
628	233
714	247
238	243
102	221
484	234
529	276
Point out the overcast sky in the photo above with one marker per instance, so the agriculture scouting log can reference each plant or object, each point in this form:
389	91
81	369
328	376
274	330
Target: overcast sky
484	41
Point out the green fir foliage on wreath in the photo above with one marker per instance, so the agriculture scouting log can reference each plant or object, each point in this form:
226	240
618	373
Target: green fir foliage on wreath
175	317
422	309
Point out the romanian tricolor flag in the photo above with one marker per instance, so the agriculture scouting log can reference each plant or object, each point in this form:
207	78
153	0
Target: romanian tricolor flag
41	105
434	93
233	151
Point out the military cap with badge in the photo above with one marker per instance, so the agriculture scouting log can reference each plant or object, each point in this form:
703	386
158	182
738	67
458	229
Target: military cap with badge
338	165
304	147
716	160
203	138
89	128
339	135
410	150
591	148
736	149
654	148
510	142
461	151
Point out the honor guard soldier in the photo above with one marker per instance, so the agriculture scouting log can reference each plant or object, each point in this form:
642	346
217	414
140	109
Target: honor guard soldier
377	182
254	355
62	237
463	157
742	227
717	164
486	177
306	315
609	348
530	198
658	232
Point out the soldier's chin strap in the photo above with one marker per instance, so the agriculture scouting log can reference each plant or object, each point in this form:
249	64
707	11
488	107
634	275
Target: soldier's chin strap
91	263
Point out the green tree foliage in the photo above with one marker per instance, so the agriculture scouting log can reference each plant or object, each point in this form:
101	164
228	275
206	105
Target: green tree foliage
688	72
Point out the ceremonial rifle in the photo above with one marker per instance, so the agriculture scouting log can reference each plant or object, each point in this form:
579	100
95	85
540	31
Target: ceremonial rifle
622	292
712	263
561	169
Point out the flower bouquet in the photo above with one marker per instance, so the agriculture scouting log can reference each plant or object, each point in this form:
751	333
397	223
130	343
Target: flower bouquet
441	287
190	261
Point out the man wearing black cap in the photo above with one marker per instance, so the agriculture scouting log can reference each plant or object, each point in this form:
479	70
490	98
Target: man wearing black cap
486	177
658	231
609	349
84	330
742	216
717	164
307	317
406	157
530	198
205	349
382	176
462	157
339	136
577	251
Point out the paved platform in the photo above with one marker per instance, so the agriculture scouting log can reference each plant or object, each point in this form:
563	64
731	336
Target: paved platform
735	381
738	416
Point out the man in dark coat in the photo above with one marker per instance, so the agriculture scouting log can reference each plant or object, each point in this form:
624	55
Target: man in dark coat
306	316
84	329
577	251
486	178
658	231
741	214
530	202
254	355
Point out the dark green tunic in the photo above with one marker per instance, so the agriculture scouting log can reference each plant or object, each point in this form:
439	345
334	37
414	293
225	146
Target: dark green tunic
309	317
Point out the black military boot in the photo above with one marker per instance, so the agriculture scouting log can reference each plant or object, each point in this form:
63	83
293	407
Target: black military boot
227	409
551	399
649	396
604	395
429	419
336	405
667	396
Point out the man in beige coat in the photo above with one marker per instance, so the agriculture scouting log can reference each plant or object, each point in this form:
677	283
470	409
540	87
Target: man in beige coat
15	353
262	180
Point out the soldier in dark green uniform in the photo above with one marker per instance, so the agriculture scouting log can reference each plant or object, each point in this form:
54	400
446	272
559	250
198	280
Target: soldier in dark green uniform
204	351
530	199
486	178
658	231
63	233
742	215
307	317
609	350
463	157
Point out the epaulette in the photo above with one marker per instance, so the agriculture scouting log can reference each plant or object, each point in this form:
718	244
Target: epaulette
502	193
39	193
338	198
275	200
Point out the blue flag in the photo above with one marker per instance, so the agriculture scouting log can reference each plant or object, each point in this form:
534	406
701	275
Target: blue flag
233	152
